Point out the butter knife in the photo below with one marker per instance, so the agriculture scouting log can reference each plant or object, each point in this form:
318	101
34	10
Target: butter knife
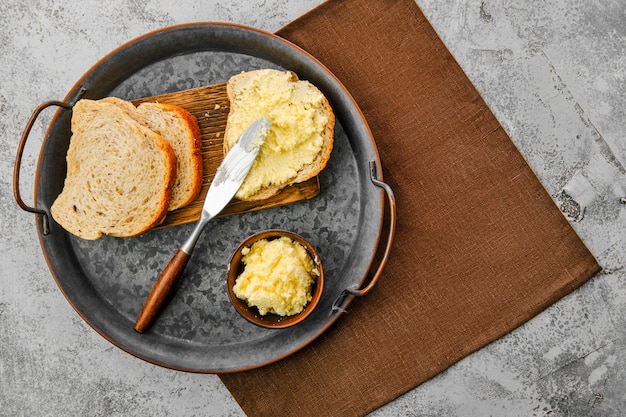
228	178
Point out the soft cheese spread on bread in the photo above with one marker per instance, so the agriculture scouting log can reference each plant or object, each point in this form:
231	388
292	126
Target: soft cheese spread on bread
300	139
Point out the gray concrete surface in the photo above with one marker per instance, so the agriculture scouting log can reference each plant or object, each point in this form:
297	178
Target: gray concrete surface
554	73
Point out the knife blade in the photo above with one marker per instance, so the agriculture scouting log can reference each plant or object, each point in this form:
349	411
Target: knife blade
228	178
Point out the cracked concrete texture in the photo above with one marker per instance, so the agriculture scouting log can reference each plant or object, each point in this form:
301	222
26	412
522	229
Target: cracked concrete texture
554	74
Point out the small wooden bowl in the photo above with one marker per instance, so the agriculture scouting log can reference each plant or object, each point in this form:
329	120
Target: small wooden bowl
273	321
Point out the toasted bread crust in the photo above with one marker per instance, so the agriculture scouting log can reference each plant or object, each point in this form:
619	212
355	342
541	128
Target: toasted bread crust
164	202
189	155
196	168
110	188
186	142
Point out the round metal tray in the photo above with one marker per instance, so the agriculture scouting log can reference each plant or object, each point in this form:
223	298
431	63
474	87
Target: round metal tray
107	280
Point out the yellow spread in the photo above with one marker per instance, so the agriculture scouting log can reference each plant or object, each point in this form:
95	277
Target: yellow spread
295	136
277	276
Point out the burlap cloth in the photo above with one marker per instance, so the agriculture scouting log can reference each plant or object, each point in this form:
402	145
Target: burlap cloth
480	246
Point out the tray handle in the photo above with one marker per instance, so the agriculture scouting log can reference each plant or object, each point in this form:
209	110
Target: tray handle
18	162
349	293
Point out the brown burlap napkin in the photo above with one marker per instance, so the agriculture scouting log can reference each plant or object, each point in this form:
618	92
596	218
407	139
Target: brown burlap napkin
480	246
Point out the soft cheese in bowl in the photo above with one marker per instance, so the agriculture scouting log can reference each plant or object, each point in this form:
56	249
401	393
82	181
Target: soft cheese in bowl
275	278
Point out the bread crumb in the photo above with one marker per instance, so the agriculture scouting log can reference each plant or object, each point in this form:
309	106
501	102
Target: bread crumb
217	107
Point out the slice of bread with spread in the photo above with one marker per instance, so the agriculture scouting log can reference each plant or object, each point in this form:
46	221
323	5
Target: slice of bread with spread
120	174
300	140
180	129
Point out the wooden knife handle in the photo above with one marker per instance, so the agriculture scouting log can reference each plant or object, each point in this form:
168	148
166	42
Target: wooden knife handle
162	290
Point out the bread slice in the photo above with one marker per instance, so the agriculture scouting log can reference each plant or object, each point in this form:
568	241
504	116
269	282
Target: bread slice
120	174
180	129
300	140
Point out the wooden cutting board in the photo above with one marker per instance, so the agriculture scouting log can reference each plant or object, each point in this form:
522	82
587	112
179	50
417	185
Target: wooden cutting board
210	106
